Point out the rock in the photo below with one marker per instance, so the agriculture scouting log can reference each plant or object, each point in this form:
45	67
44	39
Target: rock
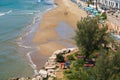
43	73
22	78
33	78
13	78
50	78
28	78
39	78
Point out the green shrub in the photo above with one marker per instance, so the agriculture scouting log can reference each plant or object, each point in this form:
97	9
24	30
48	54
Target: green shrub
91	56
70	57
78	63
67	71
104	15
60	58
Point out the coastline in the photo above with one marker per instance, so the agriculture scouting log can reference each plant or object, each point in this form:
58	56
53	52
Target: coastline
56	25
24	41
50	35
66	11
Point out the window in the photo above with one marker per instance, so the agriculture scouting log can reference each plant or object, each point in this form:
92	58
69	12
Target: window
116	5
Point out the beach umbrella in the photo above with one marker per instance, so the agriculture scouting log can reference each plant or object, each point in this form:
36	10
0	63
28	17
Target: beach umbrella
88	8
95	12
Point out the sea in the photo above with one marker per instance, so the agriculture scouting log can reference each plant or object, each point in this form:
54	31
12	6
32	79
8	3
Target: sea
19	19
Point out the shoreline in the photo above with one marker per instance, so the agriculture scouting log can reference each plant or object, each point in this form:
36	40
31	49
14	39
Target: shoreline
24	41
36	52
47	37
65	11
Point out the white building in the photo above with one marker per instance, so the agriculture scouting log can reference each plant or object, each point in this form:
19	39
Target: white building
111	3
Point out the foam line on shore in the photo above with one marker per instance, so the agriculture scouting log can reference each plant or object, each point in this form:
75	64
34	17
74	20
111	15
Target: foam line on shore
28	31
32	63
24	46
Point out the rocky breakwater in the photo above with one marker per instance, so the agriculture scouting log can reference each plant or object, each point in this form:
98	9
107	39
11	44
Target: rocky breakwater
50	67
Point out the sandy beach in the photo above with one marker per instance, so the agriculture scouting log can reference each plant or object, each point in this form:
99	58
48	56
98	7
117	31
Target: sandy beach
46	36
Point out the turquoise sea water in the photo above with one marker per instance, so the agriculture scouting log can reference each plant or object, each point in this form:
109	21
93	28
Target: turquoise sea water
17	19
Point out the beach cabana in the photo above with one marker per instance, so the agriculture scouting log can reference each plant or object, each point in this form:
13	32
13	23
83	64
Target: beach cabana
43	73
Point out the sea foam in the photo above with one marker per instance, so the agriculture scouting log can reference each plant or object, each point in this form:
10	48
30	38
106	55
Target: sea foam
32	63
4	13
8	11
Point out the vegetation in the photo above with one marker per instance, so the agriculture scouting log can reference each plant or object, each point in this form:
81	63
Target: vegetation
106	68
71	57
104	15
60	58
90	37
96	4
89	2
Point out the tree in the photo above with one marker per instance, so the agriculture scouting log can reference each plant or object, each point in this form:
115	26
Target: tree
104	15
96	5
89	2
60	58
108	67
90	37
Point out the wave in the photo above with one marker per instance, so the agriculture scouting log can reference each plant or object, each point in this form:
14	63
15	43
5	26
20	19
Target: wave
4	13
30	30
27	13
49	2
39	0
24	46
8	11
32	64
36	20
20	44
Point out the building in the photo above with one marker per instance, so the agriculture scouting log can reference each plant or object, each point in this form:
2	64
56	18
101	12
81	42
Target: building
111	3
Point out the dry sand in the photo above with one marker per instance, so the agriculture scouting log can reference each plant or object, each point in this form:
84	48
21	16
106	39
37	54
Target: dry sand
66	11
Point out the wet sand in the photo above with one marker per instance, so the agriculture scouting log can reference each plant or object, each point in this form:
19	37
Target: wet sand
56	29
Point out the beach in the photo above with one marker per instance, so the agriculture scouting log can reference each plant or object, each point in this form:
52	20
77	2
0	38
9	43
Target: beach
46	37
